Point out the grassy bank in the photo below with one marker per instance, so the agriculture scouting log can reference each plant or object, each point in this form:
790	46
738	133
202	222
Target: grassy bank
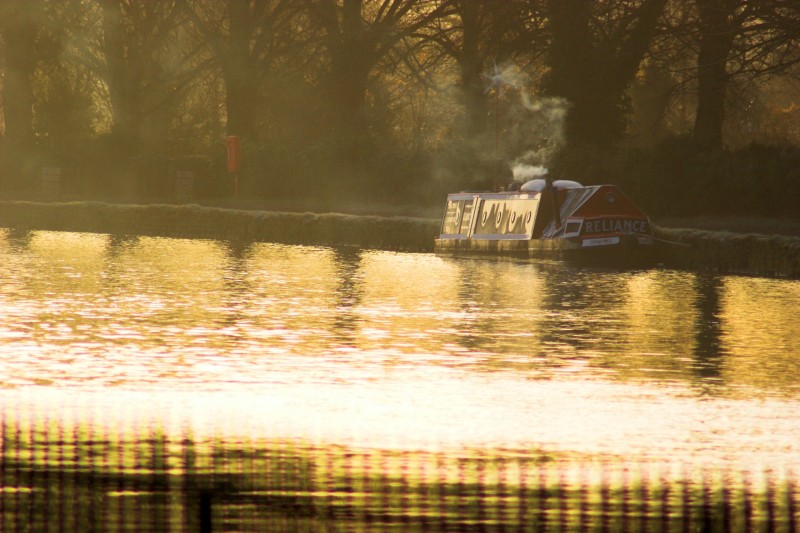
734	252
194	221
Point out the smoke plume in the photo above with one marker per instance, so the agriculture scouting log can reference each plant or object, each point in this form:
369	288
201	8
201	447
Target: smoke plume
523	172
537	133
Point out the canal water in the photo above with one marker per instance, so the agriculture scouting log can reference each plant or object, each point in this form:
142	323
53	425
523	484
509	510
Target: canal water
375	350
387	349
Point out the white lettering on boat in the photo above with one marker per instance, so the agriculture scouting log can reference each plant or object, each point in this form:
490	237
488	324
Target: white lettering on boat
616	225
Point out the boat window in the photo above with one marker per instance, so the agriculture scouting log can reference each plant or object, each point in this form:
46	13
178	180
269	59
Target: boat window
452	217
466	217
573	227
506	217
574	199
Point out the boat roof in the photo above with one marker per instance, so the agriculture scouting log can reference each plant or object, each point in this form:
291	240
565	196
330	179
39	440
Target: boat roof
588	201
538	185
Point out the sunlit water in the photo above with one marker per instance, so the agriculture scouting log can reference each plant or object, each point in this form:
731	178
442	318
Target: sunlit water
390	350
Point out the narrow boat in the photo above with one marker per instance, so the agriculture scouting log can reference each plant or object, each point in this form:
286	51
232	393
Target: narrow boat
546	219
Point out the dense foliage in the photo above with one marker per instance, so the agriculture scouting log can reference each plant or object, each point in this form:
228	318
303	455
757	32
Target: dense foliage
400	101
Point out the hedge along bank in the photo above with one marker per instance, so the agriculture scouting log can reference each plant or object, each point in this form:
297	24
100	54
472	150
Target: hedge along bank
714	251
194	221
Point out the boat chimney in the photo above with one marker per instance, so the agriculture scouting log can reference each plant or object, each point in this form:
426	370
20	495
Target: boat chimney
554	200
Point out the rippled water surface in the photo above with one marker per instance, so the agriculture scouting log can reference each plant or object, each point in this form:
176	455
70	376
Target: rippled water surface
411	351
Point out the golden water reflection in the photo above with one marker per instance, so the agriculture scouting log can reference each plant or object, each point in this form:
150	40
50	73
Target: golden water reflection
400	349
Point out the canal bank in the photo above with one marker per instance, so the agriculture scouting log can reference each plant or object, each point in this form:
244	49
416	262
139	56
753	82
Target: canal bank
694	249
200	222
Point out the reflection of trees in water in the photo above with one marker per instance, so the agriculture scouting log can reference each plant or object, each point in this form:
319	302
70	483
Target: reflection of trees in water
349	292
709	355
237	290
476	329
568	296
19	239
118	243
114	269
83	479
89	478
237	252
578	311
99	479
636	324
487	315
563	316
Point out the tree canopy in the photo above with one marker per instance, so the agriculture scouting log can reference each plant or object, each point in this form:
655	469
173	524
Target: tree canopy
386	98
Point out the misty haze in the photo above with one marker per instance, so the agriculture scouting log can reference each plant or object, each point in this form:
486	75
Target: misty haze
251	273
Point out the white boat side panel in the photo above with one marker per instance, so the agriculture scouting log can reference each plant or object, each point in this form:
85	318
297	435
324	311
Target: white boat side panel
507	216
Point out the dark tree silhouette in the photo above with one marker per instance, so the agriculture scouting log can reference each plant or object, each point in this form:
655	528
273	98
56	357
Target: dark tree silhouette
144	63
356	36
595	51
20	29
365	95
739	40
246	39
480	35
718	26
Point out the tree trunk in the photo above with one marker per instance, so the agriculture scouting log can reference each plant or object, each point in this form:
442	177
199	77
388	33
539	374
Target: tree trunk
352	60
17	87
240	80
122	78
471	65
18	30
570	59
717	31
594	74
